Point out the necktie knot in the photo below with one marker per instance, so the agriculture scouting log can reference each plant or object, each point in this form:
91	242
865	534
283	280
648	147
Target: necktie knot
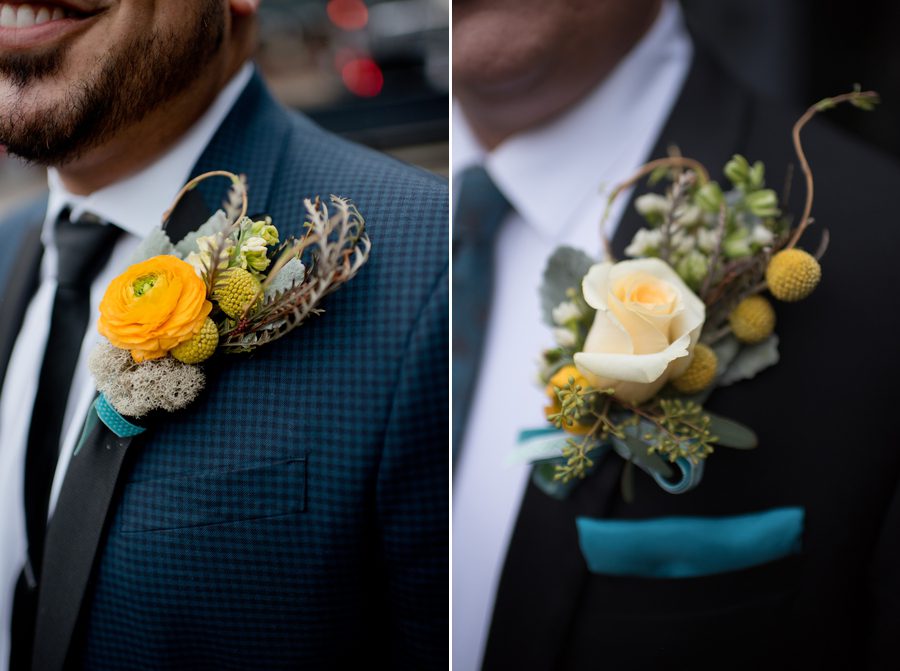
84	245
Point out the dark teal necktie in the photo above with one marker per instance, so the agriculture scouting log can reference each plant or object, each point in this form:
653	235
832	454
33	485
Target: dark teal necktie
480	209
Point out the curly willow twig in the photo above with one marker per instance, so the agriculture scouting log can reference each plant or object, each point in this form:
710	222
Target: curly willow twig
190	186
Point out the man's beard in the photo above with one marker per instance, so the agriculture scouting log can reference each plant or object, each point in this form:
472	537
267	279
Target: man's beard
131	82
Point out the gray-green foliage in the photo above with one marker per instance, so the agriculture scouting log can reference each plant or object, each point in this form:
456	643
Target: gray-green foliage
217	223
290	275
565	270
155	244
750	360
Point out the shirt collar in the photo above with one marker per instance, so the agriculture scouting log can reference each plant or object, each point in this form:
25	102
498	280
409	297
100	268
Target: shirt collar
549	173
136	204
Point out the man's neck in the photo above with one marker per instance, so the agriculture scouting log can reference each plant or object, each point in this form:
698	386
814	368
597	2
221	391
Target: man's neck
136	202
500	112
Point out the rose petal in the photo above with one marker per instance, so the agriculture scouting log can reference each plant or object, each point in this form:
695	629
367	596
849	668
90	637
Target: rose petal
644	368
608	333
595	285
646	335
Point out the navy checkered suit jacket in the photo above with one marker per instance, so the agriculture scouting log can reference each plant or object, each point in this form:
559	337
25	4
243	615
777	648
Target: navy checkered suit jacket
296	516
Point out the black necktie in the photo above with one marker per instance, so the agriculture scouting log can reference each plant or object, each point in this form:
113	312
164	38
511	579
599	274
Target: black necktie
84	247
479	212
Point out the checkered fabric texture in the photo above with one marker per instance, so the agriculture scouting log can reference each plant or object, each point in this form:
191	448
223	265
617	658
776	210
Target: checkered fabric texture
297	515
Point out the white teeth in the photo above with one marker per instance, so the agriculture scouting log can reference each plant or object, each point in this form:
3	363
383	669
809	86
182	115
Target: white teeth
7	17
27	16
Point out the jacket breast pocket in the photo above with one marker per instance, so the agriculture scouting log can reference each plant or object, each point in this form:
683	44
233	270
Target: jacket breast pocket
737	620
704	589
259	491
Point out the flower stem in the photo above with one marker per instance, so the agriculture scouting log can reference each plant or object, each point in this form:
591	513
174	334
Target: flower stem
190	186
861	99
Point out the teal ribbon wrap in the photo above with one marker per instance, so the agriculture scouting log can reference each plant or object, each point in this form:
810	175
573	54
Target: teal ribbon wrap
544	445
113	420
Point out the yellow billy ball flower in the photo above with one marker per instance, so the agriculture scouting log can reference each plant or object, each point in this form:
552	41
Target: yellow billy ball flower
793	274
201	346
234	289
753	320
560	380
700	373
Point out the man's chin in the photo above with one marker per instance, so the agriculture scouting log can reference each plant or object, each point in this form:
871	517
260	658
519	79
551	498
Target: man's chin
24	69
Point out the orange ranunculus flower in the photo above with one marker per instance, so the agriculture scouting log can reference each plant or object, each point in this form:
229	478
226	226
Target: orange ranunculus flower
153	307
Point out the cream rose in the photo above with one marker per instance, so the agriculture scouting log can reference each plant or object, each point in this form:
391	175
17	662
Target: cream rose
645	328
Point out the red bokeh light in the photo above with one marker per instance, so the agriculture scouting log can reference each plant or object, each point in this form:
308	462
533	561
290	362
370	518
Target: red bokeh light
363	77
348	14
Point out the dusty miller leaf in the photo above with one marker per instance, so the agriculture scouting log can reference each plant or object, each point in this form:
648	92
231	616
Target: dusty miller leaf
565	270
216	223
155	244
291	274
751	360
726	349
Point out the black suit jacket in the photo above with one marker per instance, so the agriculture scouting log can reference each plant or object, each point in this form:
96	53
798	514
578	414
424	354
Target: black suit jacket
827	421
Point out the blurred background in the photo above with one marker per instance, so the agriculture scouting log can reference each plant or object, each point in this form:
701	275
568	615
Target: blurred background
374	71
805	50
377	71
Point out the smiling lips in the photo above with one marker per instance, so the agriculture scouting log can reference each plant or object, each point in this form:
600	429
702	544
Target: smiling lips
28	16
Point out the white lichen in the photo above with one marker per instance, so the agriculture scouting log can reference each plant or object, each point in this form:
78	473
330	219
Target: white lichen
137	389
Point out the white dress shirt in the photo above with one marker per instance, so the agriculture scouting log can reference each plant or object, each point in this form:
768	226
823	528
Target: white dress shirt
553	177
136	205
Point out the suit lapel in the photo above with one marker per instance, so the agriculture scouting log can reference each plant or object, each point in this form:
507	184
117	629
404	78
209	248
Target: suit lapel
708	123
544	574
89	489
244	145
18	290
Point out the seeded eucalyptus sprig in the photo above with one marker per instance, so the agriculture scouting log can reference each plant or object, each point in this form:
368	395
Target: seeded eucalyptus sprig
684	431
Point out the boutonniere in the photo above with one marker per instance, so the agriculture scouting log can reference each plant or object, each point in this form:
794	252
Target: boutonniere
642	343
229	287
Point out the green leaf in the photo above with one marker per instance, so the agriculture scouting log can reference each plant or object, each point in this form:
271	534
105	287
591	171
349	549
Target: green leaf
731	433
709	197
637	449
737	170
758	175
751	360
763	203
565	270
658	175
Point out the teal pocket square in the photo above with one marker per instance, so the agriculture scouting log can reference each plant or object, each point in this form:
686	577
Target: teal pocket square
686	547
